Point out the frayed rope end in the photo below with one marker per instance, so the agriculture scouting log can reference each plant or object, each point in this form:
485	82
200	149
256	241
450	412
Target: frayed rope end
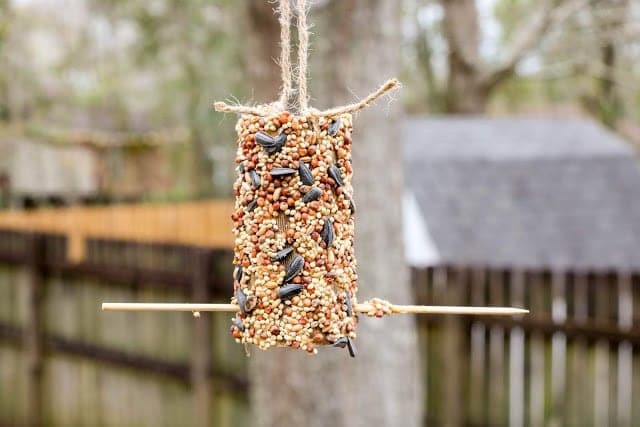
238	109
387	87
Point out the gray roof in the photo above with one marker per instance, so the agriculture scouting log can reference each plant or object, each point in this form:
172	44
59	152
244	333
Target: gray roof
525	192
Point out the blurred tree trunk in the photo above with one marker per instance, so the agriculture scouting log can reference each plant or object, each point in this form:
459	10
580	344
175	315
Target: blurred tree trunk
356	48
614	20
425	54
466	92
471	80
192	68
262	49
5	22
202	166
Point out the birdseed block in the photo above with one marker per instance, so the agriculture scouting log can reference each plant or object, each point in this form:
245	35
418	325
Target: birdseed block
295	279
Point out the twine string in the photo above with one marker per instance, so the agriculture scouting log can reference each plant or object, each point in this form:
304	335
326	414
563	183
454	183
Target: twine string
386	87
285	100
303	54
285	54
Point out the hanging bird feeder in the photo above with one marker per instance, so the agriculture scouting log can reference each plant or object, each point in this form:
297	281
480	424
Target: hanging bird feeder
295	277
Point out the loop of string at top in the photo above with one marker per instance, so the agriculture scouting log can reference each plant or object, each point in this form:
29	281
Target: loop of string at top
287	100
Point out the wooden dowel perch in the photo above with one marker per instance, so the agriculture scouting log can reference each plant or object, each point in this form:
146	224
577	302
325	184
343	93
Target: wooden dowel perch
360	308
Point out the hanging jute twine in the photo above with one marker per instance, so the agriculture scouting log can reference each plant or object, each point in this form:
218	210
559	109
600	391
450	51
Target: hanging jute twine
287	100
287	91
303	52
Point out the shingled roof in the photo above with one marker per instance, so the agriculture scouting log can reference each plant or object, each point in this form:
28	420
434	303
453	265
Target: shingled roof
523	193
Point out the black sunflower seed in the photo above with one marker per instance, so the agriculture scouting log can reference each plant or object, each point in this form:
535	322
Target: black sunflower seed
241	168
252	205
347	301
237	273
289	290
264	139
305	174
269	143
237	322
334	173
255	178
334	126
294	268
340	342
352	348
242	300
280	255
311	195
327	232
278	172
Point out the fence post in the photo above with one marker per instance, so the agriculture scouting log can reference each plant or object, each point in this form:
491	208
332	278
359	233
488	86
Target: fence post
453	350
558	348
478	400
580	397
33	330
516	353
602	386
436	411
538	309
498	410
202	341
624	410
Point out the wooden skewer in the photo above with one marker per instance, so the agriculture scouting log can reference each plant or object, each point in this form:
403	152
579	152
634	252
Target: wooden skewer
361	308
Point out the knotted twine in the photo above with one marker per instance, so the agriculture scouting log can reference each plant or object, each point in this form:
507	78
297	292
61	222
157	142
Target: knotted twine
286	100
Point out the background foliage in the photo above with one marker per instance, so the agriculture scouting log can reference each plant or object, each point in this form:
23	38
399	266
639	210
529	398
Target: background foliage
131	65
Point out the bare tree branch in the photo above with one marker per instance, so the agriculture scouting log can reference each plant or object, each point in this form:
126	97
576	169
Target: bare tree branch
460	27
630	31
553	13
570	69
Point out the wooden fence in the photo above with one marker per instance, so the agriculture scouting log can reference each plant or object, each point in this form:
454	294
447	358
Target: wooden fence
574	361
64	362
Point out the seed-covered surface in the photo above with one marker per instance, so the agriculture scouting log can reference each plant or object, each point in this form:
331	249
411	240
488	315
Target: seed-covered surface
296	278
379	307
